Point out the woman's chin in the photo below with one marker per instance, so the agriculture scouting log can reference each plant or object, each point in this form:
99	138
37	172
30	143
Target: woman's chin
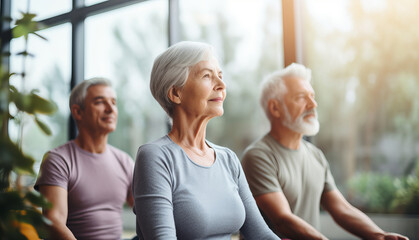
217	113
220	112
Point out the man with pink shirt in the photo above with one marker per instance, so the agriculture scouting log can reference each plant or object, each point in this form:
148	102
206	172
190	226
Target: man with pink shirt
86	179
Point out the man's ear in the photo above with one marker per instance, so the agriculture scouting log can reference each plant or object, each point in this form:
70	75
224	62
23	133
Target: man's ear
76	112
275	108
174	95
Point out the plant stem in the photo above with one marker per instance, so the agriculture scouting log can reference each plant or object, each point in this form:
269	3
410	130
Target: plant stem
22	120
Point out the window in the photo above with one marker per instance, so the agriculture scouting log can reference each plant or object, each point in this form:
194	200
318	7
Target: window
364	64
249	42
121	45
49	72
91	2
39	7
362	53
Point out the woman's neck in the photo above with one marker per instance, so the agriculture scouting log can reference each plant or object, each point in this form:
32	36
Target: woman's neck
190	136
190	132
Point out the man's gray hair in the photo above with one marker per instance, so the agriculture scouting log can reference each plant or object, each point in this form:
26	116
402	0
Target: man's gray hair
273	86
78	94
171	69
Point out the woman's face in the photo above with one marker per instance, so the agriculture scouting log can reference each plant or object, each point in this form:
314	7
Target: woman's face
204	91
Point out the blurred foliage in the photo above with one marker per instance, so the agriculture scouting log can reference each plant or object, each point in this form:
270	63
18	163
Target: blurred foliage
380	193
140	118
246	58
407	195
20	215
244	66
373	192
366	76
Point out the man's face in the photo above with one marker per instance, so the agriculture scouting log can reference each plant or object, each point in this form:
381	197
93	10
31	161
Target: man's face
100	113
300	107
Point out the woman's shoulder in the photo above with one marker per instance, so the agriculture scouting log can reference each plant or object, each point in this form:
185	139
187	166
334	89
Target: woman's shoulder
161	148
159	144
221	149
158	154
225	156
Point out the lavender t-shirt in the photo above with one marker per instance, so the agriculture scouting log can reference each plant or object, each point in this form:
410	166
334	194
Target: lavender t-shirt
97	185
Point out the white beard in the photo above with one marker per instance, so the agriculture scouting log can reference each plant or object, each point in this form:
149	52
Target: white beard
308	128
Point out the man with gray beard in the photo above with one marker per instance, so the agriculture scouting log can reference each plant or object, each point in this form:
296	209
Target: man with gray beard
289	177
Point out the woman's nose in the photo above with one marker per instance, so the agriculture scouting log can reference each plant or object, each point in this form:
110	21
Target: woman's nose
220	84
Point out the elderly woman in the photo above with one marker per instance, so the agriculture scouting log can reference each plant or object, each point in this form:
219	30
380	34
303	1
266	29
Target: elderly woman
185	186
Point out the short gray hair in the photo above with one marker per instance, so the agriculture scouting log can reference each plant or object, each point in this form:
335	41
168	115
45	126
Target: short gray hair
273	86
78	94
171	69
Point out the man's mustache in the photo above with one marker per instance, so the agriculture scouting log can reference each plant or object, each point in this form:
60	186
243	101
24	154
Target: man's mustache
308	112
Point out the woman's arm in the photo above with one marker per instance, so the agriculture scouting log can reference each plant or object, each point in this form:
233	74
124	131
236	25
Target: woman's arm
152	190
254	227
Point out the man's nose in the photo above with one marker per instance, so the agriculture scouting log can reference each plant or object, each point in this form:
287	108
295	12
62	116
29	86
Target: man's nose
110	107
312	102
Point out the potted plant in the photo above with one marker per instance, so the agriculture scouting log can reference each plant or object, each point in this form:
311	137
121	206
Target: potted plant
20	214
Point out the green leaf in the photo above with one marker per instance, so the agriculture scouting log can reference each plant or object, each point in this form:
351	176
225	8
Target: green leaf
37	199
10	201
19	31
43	106
26	18
417	168
25	25
13	88
21	101
35	91
35	218
32	103
4	103
6	156
12	157
43	126
14	209
13	232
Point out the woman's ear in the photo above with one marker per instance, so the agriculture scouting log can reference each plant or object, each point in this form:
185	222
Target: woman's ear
174	95
76	112
275	108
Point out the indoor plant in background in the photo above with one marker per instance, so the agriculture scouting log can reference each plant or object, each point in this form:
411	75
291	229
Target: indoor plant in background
20	214
383	193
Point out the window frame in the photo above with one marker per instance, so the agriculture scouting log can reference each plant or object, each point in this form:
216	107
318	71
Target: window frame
292	37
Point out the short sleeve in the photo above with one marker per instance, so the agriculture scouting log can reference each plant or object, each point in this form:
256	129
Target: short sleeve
329	181
54	171
261	172
128	166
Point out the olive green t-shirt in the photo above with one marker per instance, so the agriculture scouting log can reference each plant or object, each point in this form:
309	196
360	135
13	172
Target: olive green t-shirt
302	175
